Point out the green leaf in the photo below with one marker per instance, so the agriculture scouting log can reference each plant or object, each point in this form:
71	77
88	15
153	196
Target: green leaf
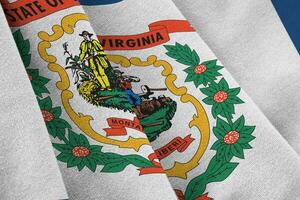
214	165
115	167
210	63
248	129
170	47
172	54
237	150
246	146
56	111
63	157
33	72
66	124
83	141
228	154
183	54
234	100
234	91
223	84
97	158
80	166
112	158
73	161
59	123
239	124
23	47
216	109
39	90
195	58
209	91
42	80
196	187
227	111
222	173
245	138
219	133
216	170
45	104
138	161
184	61
189	70
220	153
208	101
51	129
26	60
179	46
60	133
73	138
26	47
198	80
227	107
216	145
223	125
95	148
218	67
76	58
190	77
90	163
18	36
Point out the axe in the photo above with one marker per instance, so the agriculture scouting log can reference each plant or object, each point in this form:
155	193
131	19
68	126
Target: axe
146	91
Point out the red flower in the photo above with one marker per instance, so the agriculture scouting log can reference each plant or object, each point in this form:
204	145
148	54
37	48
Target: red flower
220	96
200	69
80	151
48	116
231	137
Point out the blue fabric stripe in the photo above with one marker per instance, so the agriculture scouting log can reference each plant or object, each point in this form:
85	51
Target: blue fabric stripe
97	2
289	13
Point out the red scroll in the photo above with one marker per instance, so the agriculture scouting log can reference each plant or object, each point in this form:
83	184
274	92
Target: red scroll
157	168
118	126
23	11
177	144
158	34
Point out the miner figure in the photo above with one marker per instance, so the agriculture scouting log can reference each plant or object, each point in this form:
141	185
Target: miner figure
92	51
134	99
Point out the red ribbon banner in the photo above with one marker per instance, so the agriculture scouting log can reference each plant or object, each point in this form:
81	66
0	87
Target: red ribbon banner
178	143
158	34
118	126
23	11
152	170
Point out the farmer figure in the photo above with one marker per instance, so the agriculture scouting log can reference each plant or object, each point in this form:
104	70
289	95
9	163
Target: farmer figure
134	99
92	51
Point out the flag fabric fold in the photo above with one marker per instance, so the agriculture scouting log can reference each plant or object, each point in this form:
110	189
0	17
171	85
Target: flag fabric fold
28	166
258	52
137	106
73	81
220	162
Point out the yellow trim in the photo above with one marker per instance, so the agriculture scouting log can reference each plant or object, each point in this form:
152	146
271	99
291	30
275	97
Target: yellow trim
200	120
82	121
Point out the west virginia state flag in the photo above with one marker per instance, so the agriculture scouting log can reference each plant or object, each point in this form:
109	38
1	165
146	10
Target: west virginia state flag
124	100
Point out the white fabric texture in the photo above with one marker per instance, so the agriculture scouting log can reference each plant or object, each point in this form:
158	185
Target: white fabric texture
271	161
28	167
251	41
87	184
